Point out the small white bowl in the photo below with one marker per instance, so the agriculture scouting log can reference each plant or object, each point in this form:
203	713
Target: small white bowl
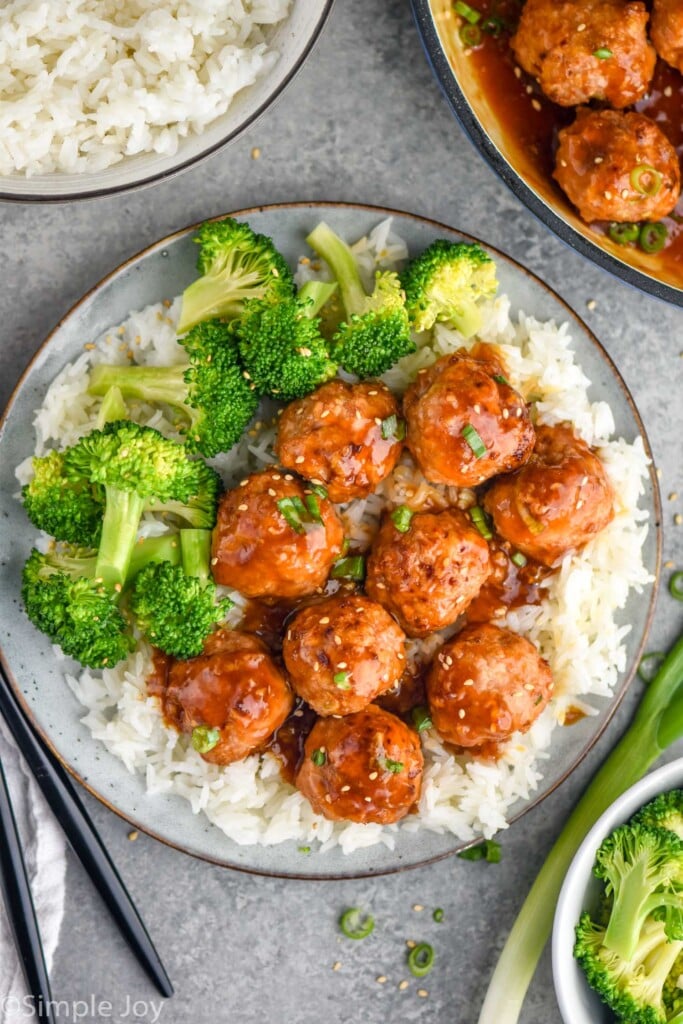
578	1003
293	39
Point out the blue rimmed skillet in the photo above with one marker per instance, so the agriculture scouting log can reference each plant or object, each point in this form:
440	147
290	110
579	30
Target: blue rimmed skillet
160	272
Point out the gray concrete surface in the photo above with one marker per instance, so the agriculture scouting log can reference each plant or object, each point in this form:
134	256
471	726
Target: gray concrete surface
364	121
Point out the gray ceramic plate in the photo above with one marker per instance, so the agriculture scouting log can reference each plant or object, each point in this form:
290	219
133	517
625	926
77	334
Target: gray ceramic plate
158	273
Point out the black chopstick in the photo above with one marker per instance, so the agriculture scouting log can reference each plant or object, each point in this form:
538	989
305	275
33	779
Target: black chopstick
60	794
20	910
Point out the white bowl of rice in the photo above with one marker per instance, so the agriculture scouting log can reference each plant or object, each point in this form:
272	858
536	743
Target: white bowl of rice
100	97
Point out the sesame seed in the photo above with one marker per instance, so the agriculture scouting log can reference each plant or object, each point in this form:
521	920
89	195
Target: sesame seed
529	687
673	496
288	477
328	798
299	459
368	799
316	667
598	160
337	639
271	492
372	776
411	943
669	564
243	483
381	979
461	713
336	966
373	392
477	409
133	836
276	476
584	481
345	789
591	304
518	72
579	504
418	907
255	153
214	561
423	993
242	508
403	985
607	195
518	412
536	105
624	193
506	414
468	682
324	621
678	519
581	27
528	90
298	713
668	91
324	413
378	421
342	664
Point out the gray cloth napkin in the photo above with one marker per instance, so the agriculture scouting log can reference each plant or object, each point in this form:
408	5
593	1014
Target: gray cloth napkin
45	854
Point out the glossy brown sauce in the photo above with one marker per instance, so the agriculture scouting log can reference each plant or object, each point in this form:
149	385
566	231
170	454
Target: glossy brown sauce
573	715
533	122
287	743
158	678
508	586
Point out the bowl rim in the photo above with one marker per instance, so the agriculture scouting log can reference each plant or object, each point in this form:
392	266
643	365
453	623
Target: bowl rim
668	776
469	122
193	161
620	691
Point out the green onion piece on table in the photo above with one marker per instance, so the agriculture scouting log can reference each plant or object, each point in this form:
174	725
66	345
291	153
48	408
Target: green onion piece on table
354	925
649	665
652	237
466	12
204	739
657	723
350	568
646	180
622	234
474	440
401	517
676	586
488	850
421	959
438	915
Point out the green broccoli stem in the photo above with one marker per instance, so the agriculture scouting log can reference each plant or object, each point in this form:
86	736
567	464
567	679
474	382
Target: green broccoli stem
164	548
112	408
342	263
146	383
319	292
658	722
122	513
195	553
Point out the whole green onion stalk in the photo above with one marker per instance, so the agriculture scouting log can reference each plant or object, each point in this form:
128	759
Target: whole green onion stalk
658	722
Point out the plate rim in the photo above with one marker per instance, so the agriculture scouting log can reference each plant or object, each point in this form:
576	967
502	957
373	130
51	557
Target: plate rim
486	147
584	750
41	198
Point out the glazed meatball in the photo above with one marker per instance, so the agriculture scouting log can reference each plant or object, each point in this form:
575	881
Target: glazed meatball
264	547
555	503
363	767
618	167
485	685
458	395
236	688
586	50
342	653
342	436
666	30
427	575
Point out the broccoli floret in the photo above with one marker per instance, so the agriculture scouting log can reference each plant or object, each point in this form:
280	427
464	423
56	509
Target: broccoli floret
210	390
633	988
281	345
376	332
236	265
69	510
665	811
445	282
175	607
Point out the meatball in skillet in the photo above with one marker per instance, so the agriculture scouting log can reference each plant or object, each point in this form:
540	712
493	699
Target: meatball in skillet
581	50
465	423
666	30
485	685
234	694
557	502
363	767
343	436
269	543
342	653
426	568
618	167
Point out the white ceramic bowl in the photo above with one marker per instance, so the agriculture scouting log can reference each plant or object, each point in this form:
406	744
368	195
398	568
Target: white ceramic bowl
293	39
581	890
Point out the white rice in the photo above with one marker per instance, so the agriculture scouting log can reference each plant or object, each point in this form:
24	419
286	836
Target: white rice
85	83
574	627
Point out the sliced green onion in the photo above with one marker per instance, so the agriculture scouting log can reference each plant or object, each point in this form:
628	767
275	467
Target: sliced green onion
519	559
676	586
350	568
470	35
532	524
393	428
603	53
488	850
493	26
205	739
313	508
318	489
341	679
622	234
354	925
474	440
653	180
438	915
288	511
318	757
649	665
500	379
652	237
393	766
346	544
466	12
401	518
421	959
421	718
304	849
480	520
